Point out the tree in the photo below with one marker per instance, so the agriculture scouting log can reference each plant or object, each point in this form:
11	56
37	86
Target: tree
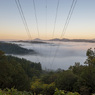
90	57
86	74
12	74
66	81
49	78
38	87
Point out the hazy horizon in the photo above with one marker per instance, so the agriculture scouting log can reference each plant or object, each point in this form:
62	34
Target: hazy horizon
41	39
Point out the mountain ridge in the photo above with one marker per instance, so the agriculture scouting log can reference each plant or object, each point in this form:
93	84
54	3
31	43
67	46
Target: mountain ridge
73	40
37	40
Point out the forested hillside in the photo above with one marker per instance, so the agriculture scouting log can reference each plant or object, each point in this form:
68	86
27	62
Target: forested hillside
9	48
78	78
17	73
28	76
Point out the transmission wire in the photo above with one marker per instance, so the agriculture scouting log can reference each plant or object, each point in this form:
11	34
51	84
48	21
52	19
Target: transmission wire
69	17
46	25
46	19
36	18
23	17
35	12
55	18
56	14
24	21
65	26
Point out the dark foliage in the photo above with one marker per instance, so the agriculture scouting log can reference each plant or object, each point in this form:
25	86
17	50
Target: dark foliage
66	80
30	68
9	48
16	72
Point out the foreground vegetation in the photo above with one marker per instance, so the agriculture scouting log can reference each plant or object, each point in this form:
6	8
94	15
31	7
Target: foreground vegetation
27	76
13	91
16	72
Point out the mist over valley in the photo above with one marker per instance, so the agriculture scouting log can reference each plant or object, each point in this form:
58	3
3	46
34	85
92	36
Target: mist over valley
56	54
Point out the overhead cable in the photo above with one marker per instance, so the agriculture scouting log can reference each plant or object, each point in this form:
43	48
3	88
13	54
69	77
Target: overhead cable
65	26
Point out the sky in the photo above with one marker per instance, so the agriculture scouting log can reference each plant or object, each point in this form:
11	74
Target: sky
81	25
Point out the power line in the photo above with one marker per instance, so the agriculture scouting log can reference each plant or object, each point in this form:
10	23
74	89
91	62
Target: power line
68	17
24	21
46	25
55	18
36	18
37	23
56	14
66	25
23	18
46	18
64	28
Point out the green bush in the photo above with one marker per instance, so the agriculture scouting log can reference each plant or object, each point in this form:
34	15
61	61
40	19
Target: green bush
13	91
62	92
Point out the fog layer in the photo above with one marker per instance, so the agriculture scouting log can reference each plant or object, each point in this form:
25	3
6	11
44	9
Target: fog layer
57	55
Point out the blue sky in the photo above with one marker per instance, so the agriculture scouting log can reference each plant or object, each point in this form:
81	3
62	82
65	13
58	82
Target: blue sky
81	26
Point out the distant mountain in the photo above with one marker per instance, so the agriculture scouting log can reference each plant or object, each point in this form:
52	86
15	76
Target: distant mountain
34	40
37	39
73	40
83	40
64	39
55	39
93	39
